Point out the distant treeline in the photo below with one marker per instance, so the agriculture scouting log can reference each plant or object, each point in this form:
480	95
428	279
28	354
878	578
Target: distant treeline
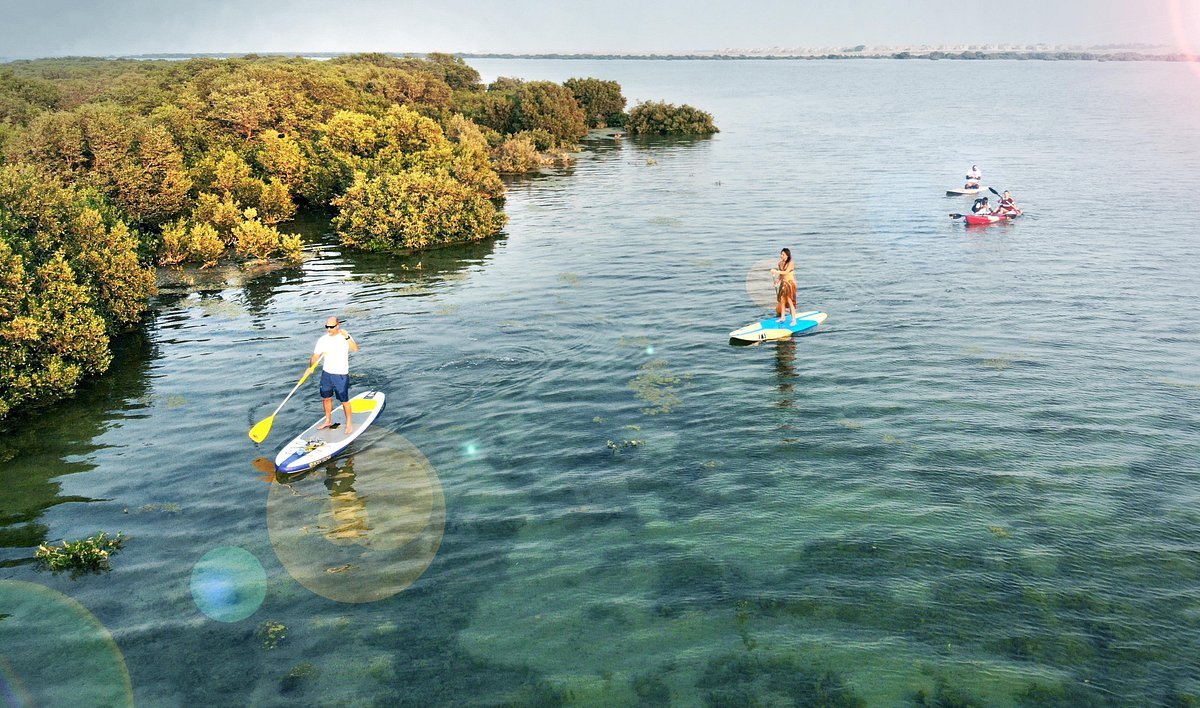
856	53
110	167
859	52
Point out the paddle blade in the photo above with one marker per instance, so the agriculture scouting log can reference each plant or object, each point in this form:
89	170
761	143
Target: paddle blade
262	429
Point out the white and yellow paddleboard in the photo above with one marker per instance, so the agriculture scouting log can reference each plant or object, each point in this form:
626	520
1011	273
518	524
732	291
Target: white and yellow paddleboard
316	445
774	329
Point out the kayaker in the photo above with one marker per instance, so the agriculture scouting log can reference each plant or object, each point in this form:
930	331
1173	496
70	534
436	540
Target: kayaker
981	206
973	178
336	345
785	285
1008	205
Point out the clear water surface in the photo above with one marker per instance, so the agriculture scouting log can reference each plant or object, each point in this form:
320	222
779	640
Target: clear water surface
979	478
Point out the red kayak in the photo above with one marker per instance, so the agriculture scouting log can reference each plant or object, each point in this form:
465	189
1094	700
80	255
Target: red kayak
980	219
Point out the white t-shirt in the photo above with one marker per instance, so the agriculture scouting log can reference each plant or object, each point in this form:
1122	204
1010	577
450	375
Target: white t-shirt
336	349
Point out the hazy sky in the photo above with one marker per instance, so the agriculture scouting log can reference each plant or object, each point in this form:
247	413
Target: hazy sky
102	27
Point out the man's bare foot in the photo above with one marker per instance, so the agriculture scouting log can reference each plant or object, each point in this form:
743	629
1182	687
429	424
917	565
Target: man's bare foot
326	424
349	430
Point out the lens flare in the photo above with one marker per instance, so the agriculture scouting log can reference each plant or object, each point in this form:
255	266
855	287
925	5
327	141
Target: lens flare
1184	31
361	528
229	584
53	651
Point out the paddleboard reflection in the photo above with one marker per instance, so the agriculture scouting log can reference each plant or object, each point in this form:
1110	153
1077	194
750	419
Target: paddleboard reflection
359	528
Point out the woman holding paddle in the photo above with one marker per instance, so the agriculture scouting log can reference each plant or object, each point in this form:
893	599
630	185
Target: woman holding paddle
1008	206
785	285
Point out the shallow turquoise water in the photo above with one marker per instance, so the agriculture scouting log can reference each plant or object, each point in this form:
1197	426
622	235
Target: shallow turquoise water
981	473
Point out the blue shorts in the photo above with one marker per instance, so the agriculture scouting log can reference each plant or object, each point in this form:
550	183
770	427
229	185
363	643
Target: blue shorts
335	385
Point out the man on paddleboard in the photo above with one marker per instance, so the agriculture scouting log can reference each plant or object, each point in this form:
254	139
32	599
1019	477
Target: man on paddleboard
973	178
336	345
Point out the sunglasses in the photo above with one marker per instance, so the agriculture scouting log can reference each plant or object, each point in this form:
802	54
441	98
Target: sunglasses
331	326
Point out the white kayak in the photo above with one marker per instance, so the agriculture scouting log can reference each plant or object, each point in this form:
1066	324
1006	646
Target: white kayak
316	445
963	192
774	329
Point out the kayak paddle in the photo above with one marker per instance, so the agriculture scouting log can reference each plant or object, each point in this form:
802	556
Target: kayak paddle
262	428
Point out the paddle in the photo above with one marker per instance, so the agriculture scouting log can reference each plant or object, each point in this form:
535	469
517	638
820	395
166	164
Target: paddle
262	428
1011	216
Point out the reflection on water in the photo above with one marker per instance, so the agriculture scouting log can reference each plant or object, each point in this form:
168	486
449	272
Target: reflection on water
785	370
43	445
363	527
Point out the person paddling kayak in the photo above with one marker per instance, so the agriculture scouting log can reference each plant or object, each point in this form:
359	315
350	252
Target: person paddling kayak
1008	206
981	206
336	346
973	178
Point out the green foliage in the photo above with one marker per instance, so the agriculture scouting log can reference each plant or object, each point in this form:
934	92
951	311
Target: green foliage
271	633
297	676
88	555
453	70
518	154
602	102
255	239
21	99
411	210
659	118
544	105
133	162
70	279
471	163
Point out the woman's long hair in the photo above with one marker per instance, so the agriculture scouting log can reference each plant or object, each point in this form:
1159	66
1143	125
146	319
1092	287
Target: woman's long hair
788	253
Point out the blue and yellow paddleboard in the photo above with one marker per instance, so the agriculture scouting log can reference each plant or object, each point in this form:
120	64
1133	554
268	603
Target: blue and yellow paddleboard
316	445
774	329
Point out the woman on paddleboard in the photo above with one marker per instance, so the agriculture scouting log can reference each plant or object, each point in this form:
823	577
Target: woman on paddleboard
785	285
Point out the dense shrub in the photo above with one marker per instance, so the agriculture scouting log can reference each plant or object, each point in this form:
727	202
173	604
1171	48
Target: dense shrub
602	102
659	118
518	153
69	279
412	210
544	105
